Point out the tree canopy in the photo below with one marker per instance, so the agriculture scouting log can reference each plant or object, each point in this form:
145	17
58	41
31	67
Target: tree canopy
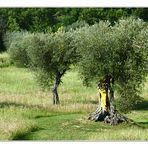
119	51
48	55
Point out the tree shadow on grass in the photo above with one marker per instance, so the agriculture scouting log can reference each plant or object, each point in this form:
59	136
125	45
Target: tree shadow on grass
21	136
143	124
142	105
93	102
9	104
14	104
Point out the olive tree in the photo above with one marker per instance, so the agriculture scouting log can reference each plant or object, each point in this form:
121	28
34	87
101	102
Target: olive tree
117	54
48	55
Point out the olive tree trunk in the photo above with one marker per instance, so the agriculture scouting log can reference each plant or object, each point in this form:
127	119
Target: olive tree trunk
56	99
106	110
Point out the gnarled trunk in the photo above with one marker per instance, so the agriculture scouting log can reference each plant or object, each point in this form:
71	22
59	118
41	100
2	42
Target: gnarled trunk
55	91
106	110
58	77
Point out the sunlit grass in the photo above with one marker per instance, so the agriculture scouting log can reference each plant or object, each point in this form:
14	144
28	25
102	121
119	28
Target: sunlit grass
19	85
4	59
19	90
125	134
12	122
24	108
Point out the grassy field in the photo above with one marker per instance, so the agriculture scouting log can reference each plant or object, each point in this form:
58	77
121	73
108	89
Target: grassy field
27	113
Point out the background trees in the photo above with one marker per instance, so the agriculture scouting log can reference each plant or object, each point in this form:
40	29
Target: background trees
49	20
2	31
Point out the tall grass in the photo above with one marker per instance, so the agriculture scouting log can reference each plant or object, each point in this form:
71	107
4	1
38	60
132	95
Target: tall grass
19	85
22	103
19	94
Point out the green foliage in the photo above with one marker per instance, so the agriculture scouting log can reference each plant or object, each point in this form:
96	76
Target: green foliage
30	19
133	60
76	25
50	19
91	44
107	50
4	60
2	24
12	24
17	45
128	99
51	55
2	31
43	19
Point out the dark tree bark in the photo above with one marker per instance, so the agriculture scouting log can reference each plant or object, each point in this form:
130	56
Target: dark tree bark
107	112
55	91
56	99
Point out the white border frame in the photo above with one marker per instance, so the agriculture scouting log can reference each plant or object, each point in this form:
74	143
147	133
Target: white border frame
73	3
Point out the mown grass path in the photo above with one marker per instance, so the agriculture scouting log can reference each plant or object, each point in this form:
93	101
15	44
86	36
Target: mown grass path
77	127
55	127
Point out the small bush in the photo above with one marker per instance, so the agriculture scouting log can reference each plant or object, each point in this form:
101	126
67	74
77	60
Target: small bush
127	100
5	60
16	46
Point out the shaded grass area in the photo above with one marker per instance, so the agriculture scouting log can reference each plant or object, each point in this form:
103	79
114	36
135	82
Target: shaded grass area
27	113
142	105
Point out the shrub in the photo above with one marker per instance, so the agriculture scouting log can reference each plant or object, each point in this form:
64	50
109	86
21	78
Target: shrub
5	60
17	45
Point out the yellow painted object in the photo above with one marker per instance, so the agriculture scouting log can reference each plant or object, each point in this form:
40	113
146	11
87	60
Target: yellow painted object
104	98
